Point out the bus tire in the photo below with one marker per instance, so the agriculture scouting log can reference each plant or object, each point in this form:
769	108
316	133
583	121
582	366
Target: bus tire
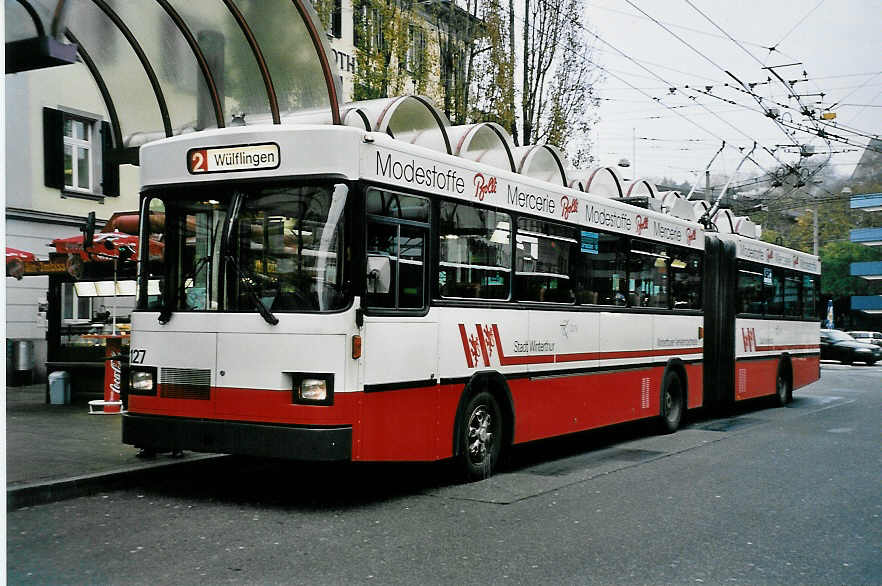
783	390
481	438
672	402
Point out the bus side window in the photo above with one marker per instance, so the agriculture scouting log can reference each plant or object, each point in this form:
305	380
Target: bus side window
542	261
686	281
475	252
152	274
792	288
397	229
648	275
598	270
750	289
775	294
809	297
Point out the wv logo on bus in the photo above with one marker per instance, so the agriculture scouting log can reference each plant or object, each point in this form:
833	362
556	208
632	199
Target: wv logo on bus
480	345
748	336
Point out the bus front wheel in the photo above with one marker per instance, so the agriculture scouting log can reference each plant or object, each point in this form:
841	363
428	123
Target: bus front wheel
480	437
672	402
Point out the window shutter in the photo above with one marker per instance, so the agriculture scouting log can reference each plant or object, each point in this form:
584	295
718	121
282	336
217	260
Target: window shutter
109	165
53	148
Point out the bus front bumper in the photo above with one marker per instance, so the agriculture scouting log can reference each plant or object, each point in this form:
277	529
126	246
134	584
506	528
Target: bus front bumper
162	433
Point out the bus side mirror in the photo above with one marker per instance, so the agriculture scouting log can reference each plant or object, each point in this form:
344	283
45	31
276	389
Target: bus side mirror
379	273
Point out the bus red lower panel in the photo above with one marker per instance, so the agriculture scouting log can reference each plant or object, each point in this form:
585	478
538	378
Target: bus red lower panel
806	370
416	424
546	407
757	378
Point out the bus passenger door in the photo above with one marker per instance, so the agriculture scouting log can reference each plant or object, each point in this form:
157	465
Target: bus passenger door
400	340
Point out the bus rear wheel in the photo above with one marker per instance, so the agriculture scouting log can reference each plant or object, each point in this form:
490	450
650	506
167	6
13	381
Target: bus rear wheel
783	394
673	402
480	437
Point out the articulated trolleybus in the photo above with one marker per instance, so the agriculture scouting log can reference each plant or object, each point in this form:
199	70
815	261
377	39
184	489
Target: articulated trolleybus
329	293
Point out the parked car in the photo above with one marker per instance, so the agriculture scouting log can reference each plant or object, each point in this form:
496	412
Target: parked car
837	345
868	337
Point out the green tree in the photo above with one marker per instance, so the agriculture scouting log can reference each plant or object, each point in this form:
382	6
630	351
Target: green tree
494	71
387	32
836	279
555	93
572	104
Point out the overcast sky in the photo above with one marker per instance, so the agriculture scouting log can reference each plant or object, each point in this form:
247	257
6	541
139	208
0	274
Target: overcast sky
838	43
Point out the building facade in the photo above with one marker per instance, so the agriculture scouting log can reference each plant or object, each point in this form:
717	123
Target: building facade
868	172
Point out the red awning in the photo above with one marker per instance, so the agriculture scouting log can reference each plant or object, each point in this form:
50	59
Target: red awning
15	261
105	246
23	255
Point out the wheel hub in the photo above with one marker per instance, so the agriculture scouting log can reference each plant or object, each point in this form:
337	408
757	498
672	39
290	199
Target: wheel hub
480	437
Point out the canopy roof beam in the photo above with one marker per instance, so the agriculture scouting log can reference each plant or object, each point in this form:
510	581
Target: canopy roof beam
145	63
200	59
102	87
258	56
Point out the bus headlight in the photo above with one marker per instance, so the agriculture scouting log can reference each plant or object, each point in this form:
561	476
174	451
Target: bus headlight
142	382
314	389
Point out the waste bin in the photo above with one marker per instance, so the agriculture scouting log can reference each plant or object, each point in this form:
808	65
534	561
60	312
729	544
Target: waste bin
23	362
59	388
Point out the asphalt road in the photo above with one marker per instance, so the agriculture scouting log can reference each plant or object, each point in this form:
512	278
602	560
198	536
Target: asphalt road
767	496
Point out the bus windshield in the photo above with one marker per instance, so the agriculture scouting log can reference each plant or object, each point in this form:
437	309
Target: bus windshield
247	248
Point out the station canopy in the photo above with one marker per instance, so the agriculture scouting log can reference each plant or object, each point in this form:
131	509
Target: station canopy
167	67
602	181
485	142
542	162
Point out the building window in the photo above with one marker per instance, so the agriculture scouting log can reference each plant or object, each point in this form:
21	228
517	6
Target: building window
337	20
78	153
76	147
415	50
368	23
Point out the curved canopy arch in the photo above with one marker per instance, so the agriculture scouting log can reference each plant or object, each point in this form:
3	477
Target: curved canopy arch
724	220
485	142
602	181
699	209
356	117
166	67
746	227
542	162
411	119
640	187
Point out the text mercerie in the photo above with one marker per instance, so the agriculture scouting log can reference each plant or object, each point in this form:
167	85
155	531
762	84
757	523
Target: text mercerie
530	201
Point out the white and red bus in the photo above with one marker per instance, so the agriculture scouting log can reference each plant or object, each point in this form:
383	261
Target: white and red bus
328	293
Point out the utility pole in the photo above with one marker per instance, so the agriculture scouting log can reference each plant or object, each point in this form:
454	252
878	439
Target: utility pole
634	151
708	196
815	232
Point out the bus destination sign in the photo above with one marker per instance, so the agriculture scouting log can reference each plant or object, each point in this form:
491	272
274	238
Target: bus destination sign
236	158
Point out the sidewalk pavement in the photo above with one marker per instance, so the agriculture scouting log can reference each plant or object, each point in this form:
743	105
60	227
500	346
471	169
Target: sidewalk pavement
54	452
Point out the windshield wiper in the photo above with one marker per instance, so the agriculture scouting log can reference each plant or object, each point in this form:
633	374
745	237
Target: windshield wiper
259	305
261	308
